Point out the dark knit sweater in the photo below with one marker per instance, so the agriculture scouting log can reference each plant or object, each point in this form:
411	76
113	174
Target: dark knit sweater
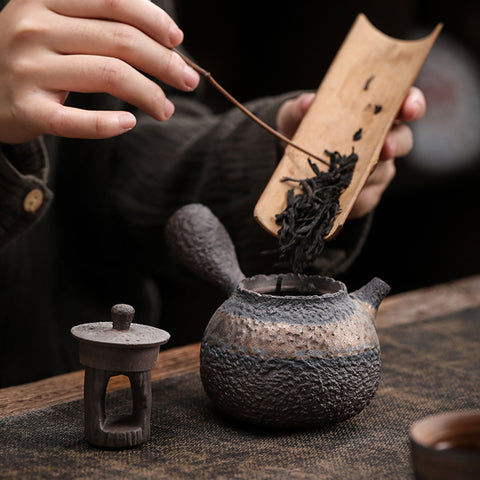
100	240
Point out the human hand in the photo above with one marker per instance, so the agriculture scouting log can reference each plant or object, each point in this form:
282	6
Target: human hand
398	143
49	48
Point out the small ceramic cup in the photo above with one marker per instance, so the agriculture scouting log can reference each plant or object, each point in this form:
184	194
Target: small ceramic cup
447	446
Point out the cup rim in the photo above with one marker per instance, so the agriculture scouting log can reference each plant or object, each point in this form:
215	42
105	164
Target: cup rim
430	429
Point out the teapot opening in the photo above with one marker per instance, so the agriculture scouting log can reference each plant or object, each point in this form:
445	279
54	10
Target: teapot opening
291	285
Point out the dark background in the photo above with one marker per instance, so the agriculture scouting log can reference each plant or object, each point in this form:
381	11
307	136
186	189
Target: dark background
427	228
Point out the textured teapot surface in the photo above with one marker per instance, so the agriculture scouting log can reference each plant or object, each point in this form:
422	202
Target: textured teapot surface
283	350
306	355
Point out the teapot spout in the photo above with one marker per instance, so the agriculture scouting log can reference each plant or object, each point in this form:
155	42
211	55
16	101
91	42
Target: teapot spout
372	293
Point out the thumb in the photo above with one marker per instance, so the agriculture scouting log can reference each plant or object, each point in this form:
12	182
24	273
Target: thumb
291	113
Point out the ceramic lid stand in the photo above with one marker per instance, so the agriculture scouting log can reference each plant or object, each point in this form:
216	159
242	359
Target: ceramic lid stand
114	348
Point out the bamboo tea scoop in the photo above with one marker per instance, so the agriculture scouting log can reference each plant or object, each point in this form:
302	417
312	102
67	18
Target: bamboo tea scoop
354	107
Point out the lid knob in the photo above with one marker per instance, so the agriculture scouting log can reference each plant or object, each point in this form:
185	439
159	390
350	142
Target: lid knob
122	316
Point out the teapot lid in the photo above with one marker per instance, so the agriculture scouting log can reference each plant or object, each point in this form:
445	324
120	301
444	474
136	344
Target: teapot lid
121	332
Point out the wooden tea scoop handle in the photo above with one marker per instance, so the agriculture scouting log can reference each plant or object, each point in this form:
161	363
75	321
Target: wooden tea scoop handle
202	244
354	107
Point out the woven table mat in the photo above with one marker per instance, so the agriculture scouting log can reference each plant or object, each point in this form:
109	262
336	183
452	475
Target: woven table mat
428	367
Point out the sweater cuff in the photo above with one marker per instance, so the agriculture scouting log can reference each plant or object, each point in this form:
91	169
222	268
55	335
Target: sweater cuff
24	195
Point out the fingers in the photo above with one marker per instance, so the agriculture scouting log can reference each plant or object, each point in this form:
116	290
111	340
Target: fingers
56	119
373	190
92	73
142	14
414	106
291	113
118	40
398	143
51	47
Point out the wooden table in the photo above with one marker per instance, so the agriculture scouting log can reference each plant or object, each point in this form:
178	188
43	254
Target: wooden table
395	310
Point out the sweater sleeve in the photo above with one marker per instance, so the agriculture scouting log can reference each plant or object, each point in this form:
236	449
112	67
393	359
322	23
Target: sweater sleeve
223	161
24	195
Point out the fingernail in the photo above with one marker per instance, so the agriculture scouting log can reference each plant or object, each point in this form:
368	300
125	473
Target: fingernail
417	107
307	101
190	77
126	121
175	35
168	109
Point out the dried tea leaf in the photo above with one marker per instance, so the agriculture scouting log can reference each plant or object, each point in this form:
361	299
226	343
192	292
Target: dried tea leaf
309	215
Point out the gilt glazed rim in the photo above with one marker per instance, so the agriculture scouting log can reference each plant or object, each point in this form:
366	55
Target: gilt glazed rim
265	285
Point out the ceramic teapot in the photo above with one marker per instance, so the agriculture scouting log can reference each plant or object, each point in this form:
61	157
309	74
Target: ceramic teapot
283	350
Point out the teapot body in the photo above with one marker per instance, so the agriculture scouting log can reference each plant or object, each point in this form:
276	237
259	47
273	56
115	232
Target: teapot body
303	355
